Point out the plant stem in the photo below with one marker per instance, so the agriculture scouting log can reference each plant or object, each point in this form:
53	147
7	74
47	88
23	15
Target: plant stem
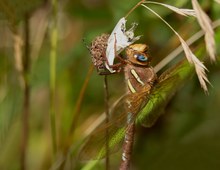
106	121
79	101
137	5
68	140
53	55
26	104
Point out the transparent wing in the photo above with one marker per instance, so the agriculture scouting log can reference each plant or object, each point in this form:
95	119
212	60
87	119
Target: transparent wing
95	146
169	82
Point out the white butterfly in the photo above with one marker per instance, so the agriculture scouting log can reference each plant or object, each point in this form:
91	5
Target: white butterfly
119	40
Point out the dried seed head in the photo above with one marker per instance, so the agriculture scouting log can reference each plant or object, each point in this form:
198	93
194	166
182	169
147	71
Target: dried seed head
98	52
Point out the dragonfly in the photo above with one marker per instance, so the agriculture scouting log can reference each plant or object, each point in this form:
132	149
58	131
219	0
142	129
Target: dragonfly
140	78
146	96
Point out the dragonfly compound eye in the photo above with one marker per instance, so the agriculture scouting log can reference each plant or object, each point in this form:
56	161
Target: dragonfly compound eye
141	57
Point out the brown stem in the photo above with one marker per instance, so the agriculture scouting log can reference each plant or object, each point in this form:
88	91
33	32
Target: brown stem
107	121
26	105
25	120
137	5
68	140
79	101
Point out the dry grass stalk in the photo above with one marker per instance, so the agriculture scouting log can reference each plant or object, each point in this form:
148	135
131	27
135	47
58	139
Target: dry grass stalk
199	67
218	1
39	24
206	25
181	11
18	44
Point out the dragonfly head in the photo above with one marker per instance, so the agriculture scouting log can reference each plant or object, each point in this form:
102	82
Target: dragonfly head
138	54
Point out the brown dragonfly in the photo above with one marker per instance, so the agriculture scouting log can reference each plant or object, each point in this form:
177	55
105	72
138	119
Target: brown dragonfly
146	96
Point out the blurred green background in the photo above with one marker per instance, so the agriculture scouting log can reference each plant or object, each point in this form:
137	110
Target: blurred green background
185	137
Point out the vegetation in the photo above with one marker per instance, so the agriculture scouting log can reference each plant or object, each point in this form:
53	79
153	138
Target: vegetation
50	95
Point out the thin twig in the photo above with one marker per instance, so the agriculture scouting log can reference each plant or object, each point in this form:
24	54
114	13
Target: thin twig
26	104
75	118
106	121
79	101
137	5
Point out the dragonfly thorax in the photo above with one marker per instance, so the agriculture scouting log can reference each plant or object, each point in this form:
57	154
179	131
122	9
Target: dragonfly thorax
139	75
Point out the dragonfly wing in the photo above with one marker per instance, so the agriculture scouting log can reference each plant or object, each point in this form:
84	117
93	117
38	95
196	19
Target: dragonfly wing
158	99
169	82
118	112
95	145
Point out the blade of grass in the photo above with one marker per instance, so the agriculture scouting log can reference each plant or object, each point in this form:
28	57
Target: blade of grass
53	56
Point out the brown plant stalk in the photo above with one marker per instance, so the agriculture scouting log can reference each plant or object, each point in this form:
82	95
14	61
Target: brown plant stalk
106	121
26	104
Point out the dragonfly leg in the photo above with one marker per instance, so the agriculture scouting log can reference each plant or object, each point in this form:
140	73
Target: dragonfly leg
118	66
